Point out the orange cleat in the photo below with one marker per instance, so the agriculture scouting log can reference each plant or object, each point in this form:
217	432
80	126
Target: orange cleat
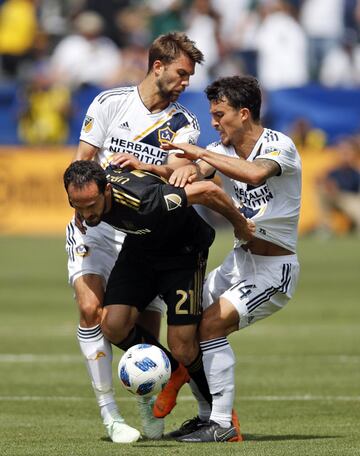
166	399
236	424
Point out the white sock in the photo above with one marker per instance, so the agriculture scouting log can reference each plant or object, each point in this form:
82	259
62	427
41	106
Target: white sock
98	358
203	405
219	366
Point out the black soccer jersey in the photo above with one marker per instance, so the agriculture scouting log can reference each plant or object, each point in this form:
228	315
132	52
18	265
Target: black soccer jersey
154	214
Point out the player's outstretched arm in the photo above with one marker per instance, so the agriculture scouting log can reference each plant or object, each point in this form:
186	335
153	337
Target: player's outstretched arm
198	169
125	160
189	151
254	173
211	195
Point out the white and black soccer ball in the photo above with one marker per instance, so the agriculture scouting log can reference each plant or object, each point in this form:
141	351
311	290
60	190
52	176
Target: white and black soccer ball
144	370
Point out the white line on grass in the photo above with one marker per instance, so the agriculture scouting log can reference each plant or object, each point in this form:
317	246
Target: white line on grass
306	397
255	359
30	358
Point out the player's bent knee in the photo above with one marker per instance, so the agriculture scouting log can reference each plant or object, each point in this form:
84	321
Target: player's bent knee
211	327
114	333
150	320
90	314
183	356
218	320
183	343
184	352
89	292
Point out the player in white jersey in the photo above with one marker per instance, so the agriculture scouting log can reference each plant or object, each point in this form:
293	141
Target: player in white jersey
136	121
261	171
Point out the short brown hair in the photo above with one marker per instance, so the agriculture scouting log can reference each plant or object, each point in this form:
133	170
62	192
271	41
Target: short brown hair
168	48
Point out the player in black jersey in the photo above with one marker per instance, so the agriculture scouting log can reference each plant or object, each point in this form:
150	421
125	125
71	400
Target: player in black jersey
165	251
133	121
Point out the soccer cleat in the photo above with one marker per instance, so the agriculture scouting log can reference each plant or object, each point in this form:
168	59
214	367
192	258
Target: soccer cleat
187	427
120	432
236	424
153	428
166	399
210	432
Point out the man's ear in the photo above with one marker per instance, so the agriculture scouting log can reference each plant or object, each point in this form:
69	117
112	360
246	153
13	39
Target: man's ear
108	189
157	67
245	114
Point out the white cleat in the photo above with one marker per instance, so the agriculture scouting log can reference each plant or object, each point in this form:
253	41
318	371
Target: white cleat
153	428
120	432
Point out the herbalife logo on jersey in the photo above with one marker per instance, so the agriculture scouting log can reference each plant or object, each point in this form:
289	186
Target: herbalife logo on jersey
254	198
125	126
173	201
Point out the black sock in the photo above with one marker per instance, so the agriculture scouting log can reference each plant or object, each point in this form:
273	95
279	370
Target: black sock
139	335
197	373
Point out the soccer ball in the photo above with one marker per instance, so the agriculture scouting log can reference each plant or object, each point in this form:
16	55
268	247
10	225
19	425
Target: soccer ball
144	370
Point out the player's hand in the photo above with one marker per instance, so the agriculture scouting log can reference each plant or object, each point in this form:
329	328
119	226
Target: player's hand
125	160
245	231
184	175
189	151
79	223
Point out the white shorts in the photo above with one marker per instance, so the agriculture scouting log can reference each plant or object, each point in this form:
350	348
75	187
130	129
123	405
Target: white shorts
257	286
95	253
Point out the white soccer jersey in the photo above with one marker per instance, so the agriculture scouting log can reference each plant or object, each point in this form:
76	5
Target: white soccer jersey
118	121
275	205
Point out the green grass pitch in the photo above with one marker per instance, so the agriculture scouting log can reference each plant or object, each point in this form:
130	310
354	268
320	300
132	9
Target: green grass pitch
298	372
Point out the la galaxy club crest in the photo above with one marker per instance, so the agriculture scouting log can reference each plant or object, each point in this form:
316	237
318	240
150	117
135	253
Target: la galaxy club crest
165	135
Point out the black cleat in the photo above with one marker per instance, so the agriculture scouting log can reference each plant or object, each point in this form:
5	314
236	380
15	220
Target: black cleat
187	427
211	432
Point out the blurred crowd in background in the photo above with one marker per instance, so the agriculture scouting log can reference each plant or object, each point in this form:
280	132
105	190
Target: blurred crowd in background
59	41
51	49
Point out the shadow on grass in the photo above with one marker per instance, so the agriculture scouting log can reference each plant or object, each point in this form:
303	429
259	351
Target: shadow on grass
148	443
157	444
265	438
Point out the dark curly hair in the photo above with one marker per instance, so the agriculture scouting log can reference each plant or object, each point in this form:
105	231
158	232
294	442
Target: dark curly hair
81	172
239	91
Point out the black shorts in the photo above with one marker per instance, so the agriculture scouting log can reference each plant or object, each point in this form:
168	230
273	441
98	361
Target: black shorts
137	278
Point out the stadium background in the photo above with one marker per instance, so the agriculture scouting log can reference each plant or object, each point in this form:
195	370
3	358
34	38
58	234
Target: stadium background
298	374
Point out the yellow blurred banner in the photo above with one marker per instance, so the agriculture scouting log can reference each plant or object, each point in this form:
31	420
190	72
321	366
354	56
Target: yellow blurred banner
33	200
315	164
32	196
